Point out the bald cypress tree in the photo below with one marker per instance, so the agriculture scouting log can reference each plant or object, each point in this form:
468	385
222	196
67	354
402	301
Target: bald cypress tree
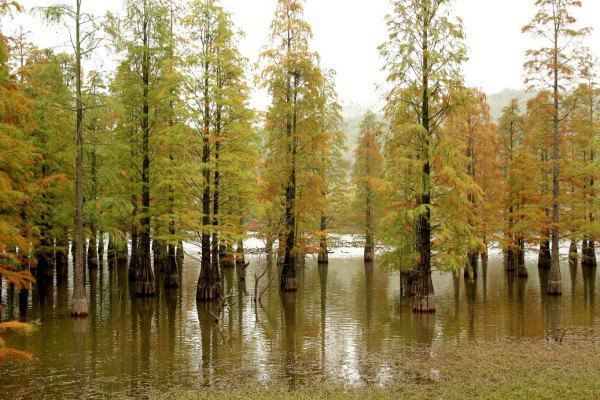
552	68
293	78
423	56
367	176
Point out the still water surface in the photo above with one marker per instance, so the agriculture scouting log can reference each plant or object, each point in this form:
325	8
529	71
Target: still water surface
337	327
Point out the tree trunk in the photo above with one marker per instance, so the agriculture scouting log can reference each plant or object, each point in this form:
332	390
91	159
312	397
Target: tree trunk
240	261
573	254
209	281
470	272
62	258
80	304
92	256
44	255
100	247
520	257
159	250
511	256
424	300
544	257
134	260
408	283
171	270
112	250
554	278
323	257
590	255
145	285
179	253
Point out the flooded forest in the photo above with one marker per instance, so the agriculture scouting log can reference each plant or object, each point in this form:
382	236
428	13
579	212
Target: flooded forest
164	237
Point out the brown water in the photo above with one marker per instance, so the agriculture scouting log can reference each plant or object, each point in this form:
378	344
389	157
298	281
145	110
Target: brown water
338	327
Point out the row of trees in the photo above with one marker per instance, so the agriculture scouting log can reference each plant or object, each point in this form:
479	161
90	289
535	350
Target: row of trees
455	181
166	149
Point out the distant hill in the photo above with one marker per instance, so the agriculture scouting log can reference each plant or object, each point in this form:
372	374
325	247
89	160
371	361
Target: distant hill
498	101
353	113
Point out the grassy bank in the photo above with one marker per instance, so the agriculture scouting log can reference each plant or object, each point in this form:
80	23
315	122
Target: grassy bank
524	369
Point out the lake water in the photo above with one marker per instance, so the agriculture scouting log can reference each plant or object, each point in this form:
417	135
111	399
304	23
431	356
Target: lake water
343	320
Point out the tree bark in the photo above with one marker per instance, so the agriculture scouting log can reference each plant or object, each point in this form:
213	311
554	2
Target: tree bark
369	254
554	278
100	247
92	256
112	250
573	254
79	307
289	282
520	258
61	258
589	257
323	257
171	270
544	257
145	286
424	300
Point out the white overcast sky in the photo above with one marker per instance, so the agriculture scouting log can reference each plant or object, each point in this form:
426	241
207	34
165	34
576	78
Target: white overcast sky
347	33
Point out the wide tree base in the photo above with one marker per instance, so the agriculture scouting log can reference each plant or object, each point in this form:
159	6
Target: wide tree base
208	292
424	304
79	308
554	288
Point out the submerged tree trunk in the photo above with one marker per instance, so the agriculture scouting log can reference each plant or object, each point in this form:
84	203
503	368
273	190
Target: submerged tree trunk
424	300
289	281
145	285
80	304
209	281
554	278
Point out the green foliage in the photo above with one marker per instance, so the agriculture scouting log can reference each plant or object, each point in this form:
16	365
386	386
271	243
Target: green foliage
367	175
427	179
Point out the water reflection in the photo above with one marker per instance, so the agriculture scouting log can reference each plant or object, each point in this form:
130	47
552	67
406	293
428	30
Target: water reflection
340	325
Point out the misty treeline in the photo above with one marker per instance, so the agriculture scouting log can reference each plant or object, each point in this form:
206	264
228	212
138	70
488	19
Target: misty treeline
125	165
